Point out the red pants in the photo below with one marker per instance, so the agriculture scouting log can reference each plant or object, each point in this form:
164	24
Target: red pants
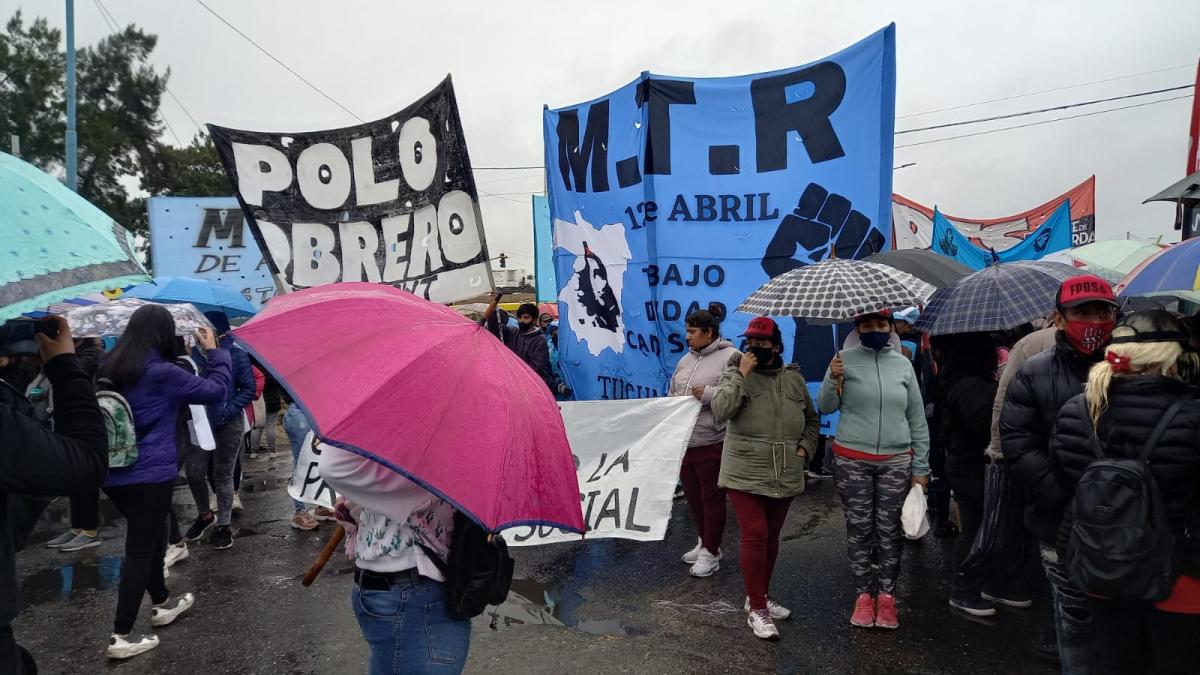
701	467
760	519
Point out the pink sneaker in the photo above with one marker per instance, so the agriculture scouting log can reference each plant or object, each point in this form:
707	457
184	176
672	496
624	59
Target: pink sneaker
864	611
885	611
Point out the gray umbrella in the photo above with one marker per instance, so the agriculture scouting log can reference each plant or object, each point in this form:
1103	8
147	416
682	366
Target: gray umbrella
1186	191
995	298
836	290
110	318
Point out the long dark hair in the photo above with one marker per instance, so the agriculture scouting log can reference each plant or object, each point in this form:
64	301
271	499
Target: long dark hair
150	327
710	319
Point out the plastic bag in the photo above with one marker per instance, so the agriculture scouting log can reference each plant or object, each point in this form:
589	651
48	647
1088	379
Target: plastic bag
914	517
999	546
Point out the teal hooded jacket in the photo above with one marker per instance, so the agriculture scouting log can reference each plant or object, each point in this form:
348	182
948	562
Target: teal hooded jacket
880	404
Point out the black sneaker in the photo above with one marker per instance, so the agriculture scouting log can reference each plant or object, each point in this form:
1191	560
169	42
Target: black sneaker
1009	599
222	538
976	606
201	527
1045	647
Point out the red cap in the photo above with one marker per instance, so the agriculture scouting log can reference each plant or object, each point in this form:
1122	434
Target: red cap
761	327
1084	289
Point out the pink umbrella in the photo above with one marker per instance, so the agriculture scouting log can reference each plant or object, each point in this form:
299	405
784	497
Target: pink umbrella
427	393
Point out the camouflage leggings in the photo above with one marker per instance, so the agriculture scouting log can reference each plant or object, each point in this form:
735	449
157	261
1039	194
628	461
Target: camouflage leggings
872	493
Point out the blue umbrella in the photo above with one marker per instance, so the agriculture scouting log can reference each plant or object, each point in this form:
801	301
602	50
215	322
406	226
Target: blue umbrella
1173	271
996	298
205	295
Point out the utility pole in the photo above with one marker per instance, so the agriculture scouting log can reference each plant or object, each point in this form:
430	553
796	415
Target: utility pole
72	149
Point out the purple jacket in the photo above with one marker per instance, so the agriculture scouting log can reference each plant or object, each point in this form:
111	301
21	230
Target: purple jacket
155	400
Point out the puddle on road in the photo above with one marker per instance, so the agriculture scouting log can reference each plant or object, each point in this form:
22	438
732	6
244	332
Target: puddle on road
532	603
59	583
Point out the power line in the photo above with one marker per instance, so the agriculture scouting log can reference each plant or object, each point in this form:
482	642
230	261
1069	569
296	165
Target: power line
1044	110
276	60
1034	124
114	25
1045	91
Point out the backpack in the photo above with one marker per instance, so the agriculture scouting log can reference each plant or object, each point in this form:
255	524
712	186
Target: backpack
118	424
1118	544
478	570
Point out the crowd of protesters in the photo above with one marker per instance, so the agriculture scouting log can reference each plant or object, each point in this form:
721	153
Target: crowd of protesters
914	414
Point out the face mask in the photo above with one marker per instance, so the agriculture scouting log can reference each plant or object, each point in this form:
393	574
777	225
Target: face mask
1088	336
765	355
875	339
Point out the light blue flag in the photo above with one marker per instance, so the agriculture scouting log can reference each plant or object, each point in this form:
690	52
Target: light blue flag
1051	236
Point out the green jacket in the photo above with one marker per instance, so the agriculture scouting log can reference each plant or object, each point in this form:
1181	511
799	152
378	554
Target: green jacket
770	416
881	406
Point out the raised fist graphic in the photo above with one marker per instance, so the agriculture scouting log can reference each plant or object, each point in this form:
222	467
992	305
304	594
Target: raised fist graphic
820	223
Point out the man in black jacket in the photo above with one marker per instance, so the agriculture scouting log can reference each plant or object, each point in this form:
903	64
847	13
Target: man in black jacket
528	342
1085	319
36	463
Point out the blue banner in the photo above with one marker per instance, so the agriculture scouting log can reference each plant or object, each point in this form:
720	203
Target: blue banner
207	238
1051	236
673	193
543	251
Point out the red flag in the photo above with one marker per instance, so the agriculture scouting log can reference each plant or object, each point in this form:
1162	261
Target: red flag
1193	159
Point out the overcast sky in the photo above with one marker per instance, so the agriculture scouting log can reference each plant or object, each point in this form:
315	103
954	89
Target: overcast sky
510	58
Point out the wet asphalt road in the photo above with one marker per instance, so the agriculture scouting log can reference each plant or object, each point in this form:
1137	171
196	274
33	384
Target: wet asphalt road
603	606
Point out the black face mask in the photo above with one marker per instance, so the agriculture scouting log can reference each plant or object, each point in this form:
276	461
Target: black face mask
765	356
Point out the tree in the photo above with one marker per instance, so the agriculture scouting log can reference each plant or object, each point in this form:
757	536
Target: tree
31	89
119	94
194	170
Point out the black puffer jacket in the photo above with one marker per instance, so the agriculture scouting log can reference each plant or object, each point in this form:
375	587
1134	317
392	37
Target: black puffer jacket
1135	405
965	422
1035	396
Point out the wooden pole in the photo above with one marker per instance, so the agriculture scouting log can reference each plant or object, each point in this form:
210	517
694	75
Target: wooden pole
319	564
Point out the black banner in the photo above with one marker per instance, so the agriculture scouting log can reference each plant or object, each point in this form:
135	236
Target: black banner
391	201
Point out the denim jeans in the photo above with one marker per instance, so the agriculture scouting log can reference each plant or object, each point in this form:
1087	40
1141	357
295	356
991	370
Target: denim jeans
408	629
295	424
1072	617
224	461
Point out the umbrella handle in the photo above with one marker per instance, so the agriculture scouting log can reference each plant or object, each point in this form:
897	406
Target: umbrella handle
323	558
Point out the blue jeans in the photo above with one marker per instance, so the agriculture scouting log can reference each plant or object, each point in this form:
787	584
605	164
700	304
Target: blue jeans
408	629
1072	617
295	425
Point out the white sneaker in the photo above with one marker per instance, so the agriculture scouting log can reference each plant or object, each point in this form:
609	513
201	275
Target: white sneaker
175	553
237	502
691	556
762	625
125	646
778	612
162	615
706	564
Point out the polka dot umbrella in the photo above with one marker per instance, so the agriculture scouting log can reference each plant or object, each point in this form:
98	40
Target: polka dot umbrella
836	290
55	244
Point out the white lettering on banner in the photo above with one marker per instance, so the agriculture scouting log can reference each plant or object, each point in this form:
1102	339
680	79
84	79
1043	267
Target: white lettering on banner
260	169
306	484
388	201
627	456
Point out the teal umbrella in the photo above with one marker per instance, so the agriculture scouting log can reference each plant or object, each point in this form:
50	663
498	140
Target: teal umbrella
54	244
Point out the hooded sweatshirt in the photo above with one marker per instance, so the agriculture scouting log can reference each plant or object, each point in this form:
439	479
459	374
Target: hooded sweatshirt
697	368
881	406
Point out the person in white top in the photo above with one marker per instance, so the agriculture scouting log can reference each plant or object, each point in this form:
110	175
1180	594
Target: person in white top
399	595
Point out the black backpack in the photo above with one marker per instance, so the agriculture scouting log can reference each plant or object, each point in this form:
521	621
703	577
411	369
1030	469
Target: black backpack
479	570
1118	544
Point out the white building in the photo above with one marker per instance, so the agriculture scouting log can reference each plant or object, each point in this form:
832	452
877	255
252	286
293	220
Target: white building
510	277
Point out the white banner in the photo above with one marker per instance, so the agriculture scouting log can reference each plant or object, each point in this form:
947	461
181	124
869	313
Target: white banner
306	484
627	454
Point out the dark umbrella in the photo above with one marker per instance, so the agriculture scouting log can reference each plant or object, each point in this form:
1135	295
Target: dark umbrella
996	298
936	270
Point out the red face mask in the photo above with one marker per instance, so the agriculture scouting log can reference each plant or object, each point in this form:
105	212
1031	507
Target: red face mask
1088	336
